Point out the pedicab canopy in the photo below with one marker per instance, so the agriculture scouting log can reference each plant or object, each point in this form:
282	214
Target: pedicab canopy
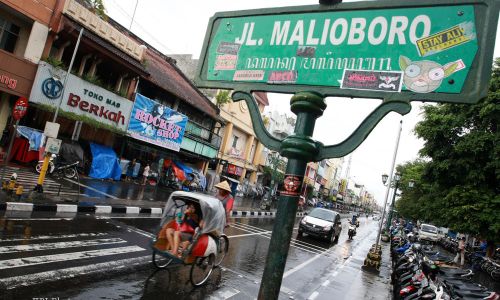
428	50
212	210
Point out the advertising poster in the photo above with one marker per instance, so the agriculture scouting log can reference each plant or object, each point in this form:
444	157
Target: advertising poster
157	124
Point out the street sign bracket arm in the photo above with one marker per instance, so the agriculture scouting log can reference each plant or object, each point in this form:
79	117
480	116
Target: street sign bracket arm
361	133
262	134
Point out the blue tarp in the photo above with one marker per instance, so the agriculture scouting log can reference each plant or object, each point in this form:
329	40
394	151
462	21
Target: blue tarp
187	170
104	163
33	135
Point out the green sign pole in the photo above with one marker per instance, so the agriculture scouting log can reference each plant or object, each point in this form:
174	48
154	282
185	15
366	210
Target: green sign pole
299	149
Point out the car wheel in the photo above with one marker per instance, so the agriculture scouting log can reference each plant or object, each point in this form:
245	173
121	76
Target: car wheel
330	237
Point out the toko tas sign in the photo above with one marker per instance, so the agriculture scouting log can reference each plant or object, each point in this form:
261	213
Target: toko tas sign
438	50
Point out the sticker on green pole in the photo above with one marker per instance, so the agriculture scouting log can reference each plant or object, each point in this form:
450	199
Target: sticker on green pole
433	51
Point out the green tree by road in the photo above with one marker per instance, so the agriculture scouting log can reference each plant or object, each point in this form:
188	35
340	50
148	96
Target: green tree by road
457	184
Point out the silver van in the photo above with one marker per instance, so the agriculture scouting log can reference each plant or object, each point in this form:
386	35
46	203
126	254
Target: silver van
428	232
323	223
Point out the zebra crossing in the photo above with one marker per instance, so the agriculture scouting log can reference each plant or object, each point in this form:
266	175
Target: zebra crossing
28	179
49	258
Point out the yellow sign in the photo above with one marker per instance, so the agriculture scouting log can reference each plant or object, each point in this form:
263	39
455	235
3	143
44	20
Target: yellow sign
443	40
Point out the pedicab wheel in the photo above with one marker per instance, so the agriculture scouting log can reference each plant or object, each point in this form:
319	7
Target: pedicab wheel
201	269
222	249
160	261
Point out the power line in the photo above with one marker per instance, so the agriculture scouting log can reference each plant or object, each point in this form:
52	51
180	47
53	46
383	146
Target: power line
125	13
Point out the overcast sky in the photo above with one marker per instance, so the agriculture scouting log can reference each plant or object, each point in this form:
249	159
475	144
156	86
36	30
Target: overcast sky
178	27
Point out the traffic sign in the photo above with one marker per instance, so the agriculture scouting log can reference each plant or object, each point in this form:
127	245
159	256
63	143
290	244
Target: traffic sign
20	108
430	50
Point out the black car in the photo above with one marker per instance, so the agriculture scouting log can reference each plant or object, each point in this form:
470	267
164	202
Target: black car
323	223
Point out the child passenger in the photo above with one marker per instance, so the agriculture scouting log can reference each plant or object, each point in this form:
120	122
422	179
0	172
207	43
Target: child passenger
181	234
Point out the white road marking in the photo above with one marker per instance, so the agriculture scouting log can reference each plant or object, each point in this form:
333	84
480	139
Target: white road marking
60	274
45	259
38	219
302	265
248	234
60	245
124	217
141	232
224	294
326	283
47	237
268	236
91	188
313	296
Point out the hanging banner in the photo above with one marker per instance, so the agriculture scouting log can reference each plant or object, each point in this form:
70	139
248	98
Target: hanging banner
434	50
157	124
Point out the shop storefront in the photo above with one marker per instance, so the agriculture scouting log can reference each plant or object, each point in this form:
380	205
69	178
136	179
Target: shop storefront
16	79
155	136
87	113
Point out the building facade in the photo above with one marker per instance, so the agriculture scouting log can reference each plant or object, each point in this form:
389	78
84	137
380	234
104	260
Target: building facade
240	153
24	27
111	68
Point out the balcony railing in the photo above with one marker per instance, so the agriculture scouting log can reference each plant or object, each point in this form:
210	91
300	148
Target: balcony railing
203	134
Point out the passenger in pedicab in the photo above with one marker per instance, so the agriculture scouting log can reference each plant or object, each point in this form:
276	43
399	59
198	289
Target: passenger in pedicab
180	233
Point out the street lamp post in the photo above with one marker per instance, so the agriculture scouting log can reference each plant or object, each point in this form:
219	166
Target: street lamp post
374	256
397	178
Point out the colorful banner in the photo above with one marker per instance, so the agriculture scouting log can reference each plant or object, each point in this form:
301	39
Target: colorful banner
157	124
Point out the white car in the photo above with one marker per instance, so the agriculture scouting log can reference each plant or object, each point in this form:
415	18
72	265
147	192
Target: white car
428	233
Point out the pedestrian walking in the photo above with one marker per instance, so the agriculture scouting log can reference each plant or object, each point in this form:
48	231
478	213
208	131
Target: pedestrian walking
145	174
461	252
130	169
224	195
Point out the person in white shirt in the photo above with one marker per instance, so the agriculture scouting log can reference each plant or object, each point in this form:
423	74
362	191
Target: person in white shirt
145	174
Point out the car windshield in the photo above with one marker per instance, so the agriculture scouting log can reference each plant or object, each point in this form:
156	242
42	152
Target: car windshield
429	228
322	214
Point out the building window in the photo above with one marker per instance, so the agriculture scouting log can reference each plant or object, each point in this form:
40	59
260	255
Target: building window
8	35
235	141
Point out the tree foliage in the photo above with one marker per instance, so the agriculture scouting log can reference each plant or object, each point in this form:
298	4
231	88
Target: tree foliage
275	165
97	7
222	97
458	186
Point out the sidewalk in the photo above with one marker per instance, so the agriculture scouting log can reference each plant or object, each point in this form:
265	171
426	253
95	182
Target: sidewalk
102	196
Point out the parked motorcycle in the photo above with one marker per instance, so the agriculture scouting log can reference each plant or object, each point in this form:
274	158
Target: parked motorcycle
57	169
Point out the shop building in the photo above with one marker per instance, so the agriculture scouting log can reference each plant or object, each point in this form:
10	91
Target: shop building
24	26
111	68
241	152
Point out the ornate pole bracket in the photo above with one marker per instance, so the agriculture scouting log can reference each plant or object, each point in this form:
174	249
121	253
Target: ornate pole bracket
317	150
260	130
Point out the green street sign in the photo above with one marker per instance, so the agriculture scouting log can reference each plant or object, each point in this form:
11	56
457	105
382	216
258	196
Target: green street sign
436	50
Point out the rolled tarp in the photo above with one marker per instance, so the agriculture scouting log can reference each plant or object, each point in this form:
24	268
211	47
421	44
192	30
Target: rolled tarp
104	163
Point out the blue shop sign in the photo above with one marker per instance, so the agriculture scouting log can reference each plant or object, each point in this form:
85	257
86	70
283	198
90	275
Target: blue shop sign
157	124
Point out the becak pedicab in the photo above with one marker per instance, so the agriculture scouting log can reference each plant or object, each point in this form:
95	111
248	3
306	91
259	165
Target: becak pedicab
208	245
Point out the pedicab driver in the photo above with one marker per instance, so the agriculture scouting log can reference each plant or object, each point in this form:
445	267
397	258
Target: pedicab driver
224	195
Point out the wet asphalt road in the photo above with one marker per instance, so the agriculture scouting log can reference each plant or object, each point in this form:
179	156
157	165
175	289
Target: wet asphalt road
91	257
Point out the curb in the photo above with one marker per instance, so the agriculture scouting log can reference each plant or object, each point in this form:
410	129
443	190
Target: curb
73	208
248	213
108	209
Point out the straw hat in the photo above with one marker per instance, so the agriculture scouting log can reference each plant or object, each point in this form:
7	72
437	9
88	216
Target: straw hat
223	186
